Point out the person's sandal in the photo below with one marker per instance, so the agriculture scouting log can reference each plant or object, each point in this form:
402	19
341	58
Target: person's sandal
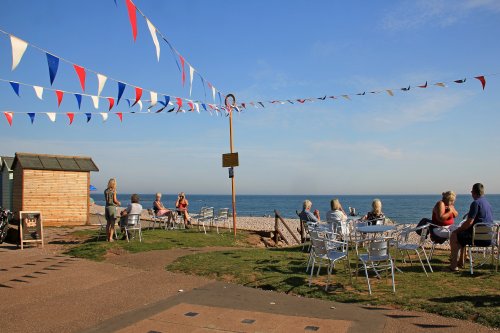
454	270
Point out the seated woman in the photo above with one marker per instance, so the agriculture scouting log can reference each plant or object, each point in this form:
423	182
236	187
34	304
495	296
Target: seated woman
160	210
336	217
182	208
134	207
443	215
376	214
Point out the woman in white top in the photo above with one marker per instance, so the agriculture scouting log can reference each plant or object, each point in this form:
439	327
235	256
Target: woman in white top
336	217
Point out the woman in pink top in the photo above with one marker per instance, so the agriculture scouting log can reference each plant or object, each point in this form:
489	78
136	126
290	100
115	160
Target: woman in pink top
182	208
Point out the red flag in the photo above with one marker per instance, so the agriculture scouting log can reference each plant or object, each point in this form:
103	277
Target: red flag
80	71
71	116
423	85
183	70
60	95
9	116
482	79
111	102
179	102
132	16
191	105
301	101
120	115
138	95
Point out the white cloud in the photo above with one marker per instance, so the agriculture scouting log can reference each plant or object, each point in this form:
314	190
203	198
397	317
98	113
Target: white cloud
442	13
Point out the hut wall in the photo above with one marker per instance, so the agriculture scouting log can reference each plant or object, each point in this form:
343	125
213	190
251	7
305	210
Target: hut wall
7	183
61	196
17	190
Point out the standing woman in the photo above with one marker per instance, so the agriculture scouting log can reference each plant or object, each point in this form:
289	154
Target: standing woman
182	208
110	209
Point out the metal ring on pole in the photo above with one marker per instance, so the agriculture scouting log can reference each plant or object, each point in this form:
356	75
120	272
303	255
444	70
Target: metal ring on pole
230	101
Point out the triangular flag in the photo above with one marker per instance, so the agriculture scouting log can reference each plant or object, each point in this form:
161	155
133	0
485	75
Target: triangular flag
104	116
139	102
167	100
213	92
346	97
52	116
89	116
111	102
138	95
102	81
191	73
38	92
220	97
261	104
152	30
440	84
460	81
79	100
9	116
120	115
179	102
60	95
406	89
18	48
197	106
390	92
204	106
121	89
203	84
191	105
128	102
482	80
423	85
15	87
183	70
53	63
80	71
132	16
154	98
32	116
95	100
300	101
71	116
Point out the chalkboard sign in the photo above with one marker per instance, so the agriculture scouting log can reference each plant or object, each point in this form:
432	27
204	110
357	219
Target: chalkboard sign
30	227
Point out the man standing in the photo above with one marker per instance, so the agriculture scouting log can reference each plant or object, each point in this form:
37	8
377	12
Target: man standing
479	212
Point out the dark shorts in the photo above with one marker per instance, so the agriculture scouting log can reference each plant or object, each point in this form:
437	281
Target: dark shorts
465	238
110	213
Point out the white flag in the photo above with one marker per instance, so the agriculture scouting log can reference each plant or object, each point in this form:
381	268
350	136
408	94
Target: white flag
104	116
140	105
52	116
38	92
152	30
102	81
197	106
18	48
95	100
191	74
213	93
154	98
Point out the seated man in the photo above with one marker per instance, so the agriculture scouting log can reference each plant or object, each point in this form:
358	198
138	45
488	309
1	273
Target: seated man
479	212
134	207
306	215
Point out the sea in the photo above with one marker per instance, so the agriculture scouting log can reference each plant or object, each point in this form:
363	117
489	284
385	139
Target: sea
399	208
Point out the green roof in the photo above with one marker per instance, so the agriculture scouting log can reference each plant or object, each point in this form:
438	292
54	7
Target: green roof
54	162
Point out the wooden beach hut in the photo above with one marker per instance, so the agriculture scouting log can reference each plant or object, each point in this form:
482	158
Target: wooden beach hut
57	186
6	180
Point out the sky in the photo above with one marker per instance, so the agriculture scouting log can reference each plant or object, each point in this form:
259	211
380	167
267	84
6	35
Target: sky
421	141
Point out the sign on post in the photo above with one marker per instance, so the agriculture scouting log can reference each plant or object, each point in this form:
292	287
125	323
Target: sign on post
30	228
230	160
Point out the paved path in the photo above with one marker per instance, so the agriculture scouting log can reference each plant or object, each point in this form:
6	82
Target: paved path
43	291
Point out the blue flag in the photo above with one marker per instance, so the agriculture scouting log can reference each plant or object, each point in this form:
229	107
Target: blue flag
79	100
121	89
53	63
15	86
32	116
89	116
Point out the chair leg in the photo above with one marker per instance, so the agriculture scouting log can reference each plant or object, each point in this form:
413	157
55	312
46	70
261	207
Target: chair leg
470	259
392	274
427	259
367	279
421	263
312	271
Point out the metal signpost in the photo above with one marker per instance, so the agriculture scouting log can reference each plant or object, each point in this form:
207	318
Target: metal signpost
231	160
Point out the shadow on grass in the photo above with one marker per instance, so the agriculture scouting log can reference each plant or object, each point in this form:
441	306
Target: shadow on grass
477	300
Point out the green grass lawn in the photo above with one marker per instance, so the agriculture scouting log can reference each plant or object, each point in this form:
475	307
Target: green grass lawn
158	239
458	295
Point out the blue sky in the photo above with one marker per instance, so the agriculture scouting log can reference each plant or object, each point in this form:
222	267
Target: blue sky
420	141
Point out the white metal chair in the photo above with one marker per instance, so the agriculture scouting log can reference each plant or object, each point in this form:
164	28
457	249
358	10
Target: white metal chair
435	240
404	243
222	217
337	250
377	257
133	224
102	225
206	217
158	219
484	240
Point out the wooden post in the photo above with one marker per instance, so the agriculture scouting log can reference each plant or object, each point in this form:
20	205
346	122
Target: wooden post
229	107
